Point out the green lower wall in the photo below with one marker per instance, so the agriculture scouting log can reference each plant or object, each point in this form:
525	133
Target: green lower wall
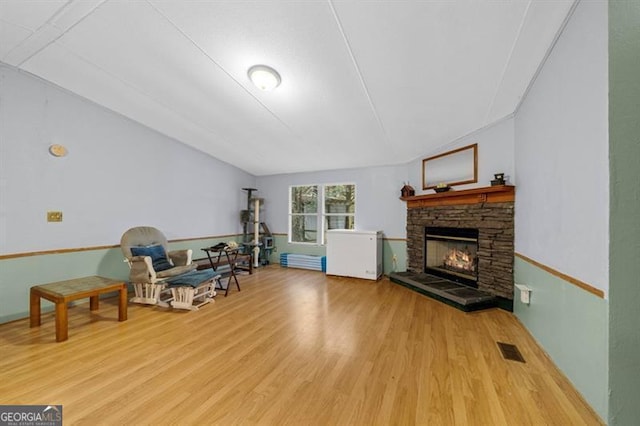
19	274
571	325
399	249
389	248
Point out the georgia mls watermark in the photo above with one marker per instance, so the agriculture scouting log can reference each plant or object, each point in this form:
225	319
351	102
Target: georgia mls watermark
30	415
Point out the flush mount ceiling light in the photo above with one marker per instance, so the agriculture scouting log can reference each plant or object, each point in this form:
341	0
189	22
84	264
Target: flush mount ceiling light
264	77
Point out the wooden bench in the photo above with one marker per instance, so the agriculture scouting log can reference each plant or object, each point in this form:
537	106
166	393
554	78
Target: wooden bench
63	292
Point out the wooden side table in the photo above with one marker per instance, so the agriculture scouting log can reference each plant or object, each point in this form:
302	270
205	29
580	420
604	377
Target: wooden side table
63	292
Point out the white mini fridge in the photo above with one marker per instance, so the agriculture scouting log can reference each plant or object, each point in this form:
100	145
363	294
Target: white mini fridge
355	254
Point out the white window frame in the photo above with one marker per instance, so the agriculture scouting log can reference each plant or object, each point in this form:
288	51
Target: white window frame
321	214
319	190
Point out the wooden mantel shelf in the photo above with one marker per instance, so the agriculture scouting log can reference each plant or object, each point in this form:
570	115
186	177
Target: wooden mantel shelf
488	194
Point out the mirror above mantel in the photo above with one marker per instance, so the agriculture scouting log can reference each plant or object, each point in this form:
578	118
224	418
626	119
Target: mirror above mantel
456	167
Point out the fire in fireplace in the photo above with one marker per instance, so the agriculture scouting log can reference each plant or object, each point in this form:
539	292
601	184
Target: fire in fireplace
459	260
451	253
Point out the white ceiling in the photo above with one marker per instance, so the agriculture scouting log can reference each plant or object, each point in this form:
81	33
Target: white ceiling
364	83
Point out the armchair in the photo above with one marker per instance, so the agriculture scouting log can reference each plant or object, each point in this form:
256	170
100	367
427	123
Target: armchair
146	251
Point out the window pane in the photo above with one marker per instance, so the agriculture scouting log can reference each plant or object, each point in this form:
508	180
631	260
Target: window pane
339	222
304	199
340	199
304	229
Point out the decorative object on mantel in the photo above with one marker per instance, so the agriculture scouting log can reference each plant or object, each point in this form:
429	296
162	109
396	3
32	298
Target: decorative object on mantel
407	191
442	187
456	167
499	179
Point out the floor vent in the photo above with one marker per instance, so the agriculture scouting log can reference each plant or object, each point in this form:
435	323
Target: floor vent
510	352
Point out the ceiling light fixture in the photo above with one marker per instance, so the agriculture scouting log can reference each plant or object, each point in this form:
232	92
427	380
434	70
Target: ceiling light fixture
264	77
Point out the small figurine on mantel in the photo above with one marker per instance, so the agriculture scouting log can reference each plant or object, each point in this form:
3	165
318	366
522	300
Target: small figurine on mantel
499	179
407	191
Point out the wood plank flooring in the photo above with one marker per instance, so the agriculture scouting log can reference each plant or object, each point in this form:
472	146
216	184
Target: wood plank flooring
293	347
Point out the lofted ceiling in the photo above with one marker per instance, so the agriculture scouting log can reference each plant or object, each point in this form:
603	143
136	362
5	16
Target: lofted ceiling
364	83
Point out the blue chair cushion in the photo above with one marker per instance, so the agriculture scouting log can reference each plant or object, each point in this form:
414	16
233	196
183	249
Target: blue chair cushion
158	256
192	279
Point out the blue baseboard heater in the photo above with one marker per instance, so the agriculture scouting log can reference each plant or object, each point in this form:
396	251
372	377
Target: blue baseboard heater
303	261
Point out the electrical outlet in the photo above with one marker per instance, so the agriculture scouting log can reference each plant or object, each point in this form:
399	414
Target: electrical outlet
54	216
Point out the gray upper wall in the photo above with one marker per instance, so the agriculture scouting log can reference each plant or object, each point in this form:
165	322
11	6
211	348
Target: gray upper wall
561	154
117	174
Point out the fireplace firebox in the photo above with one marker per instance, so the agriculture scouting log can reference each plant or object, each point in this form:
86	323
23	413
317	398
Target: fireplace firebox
451	253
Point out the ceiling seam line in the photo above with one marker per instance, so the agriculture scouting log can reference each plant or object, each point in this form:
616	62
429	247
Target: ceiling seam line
63	32
37	30
355	64
141	92
547	54
24	27
506	65
60	11
197	46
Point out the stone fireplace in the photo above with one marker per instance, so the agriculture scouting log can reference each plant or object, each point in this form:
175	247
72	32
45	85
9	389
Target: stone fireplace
478	251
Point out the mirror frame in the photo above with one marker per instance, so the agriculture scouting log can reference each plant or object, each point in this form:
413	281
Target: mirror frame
456	167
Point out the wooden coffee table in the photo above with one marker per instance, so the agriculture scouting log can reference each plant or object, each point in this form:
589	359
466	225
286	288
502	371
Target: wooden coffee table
63	292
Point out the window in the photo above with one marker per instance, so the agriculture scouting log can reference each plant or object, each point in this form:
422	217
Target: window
339	207
320	207
303	214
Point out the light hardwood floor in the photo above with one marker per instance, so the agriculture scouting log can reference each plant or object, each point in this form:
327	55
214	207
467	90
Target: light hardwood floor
293	347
